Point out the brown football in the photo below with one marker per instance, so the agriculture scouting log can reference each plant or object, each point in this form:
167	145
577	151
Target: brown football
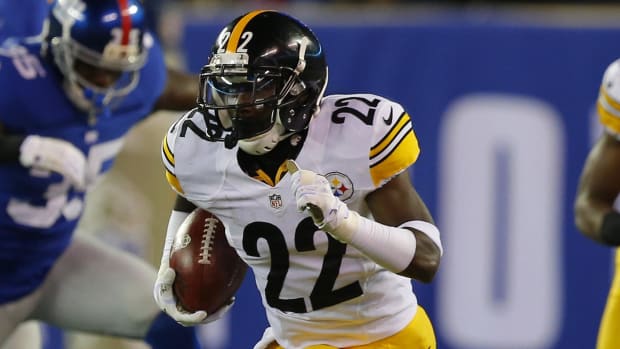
208	270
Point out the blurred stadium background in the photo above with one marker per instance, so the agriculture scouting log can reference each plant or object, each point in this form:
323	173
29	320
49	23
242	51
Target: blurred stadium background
502	98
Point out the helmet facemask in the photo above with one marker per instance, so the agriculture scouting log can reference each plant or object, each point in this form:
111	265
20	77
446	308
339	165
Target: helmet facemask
83	92
248	101
70	39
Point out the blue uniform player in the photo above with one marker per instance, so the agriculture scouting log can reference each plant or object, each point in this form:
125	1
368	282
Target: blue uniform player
68	98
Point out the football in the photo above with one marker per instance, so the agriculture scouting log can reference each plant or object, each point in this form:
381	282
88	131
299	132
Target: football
208	270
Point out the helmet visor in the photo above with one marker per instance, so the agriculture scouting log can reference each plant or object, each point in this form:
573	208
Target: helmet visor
243	102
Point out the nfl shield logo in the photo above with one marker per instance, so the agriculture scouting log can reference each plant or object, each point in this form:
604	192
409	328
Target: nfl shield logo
275	201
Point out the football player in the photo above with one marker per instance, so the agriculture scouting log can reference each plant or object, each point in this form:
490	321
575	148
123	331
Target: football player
599	186
68	98
333	237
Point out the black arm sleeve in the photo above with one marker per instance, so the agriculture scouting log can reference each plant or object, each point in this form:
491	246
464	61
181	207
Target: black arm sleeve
610	229
181	204
9	148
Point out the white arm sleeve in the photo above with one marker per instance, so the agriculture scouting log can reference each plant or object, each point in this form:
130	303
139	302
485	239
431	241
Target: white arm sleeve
174	222
391	247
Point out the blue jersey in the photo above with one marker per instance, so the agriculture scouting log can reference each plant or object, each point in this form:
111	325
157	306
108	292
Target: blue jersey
39	210
23	17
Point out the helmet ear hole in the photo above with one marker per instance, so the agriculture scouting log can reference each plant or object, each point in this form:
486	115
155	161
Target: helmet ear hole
296	117
297	88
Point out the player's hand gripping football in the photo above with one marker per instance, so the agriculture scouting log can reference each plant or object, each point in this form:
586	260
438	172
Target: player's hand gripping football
57	155
314	195
167	302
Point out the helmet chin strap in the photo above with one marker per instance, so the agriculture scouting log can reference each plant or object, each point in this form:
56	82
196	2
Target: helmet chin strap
266	142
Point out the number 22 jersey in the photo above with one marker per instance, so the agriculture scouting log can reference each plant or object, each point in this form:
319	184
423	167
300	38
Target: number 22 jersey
316	290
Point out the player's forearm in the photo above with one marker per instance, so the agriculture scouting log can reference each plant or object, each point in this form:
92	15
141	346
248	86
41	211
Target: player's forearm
174	222
181	210
413	249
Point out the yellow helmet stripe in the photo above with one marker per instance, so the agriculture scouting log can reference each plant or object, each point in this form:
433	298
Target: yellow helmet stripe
233	42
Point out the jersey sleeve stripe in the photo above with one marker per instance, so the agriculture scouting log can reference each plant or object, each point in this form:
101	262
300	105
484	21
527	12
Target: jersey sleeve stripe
608	100
174	182
609	120
389	137
167	153
401	156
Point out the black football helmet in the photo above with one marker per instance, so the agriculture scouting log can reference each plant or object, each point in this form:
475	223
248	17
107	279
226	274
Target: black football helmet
264	80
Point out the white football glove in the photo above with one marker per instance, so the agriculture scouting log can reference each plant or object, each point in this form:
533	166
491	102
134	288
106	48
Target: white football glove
314	195
57	155
165	299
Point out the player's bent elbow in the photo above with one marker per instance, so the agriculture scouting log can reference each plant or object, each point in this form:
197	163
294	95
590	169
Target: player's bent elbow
425	275
424	266
583	219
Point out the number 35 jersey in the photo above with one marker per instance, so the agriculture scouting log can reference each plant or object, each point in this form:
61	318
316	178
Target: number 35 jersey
316	290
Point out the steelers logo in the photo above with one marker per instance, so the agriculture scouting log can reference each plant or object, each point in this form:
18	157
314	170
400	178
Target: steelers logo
342	187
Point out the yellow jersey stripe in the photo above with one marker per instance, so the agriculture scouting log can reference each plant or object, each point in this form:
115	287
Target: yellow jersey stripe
402	156
166	150
612	102
263	177
382	144
235	35
174	182
608	119
282	170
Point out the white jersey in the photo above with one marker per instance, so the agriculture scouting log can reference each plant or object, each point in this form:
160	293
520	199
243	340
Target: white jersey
608	103
316	290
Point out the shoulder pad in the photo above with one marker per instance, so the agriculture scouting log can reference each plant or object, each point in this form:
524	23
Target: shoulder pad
608	103
167	149
394	144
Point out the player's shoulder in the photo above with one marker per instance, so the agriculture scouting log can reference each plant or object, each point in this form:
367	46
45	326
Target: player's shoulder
188	136
174	135
369	127
191	120
612	72
611	80
363	106
187	132
363	112
192	125
608	103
